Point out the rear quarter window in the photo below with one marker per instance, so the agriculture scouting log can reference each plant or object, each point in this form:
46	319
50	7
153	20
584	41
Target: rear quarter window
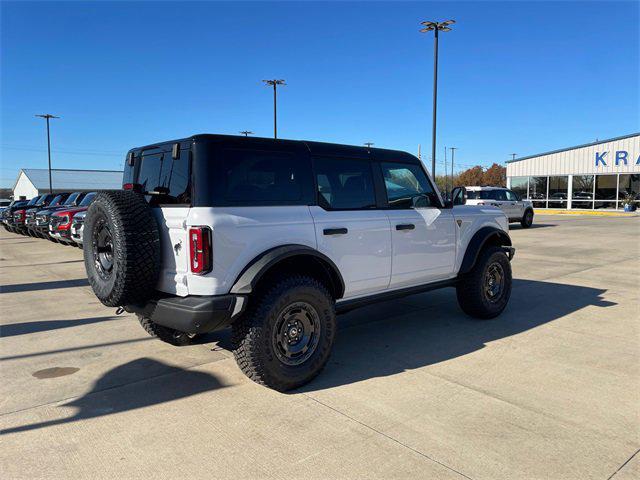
261	177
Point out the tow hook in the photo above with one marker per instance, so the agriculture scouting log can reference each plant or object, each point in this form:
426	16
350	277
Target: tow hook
119	310
510	251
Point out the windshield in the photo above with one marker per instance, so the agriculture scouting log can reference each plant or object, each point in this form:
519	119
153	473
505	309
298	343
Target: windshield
72	199
33	201
56	201
86	201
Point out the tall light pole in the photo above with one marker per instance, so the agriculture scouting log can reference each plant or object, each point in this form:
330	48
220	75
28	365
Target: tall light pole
275	83
48	116
436	27
246	133
368	144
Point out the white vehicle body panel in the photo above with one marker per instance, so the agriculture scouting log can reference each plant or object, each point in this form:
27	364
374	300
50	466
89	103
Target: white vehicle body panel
240	234
426	253
363	254
372	257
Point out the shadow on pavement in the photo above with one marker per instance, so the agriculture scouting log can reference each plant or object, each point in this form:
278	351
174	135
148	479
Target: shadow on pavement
100	401
382	344
517	226
15	329
32	287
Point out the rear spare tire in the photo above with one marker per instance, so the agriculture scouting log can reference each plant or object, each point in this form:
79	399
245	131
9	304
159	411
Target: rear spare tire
121	248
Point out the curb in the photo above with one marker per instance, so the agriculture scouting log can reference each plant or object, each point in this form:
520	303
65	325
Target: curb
584	212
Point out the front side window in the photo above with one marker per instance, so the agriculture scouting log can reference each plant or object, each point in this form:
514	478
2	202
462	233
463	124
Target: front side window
407	186
511	197
344	184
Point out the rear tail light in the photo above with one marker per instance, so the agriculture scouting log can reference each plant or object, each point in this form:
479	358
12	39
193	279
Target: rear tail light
136	187
200	250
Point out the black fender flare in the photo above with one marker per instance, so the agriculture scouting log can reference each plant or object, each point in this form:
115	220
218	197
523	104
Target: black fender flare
477	243
255	270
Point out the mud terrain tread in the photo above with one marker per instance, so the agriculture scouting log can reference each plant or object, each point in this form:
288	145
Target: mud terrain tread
469	288
249	333
136	248
165	334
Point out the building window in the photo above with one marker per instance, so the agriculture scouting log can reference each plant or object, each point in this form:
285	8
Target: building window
538	191
606	186
629	185
519	185
558	192
582	196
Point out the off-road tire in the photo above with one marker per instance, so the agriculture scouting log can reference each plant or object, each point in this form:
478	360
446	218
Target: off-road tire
126	218
166	334
527	219
471	288
252	333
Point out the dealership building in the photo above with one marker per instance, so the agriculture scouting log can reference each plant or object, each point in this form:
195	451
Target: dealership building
596	175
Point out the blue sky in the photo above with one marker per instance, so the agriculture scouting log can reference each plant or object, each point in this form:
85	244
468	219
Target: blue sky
520	77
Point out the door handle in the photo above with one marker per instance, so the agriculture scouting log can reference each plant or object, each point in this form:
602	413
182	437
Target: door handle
405	226
335	231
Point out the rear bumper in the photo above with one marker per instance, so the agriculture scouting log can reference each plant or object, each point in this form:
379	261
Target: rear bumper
193	314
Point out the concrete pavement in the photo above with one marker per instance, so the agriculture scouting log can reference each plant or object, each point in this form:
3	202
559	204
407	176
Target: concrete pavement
414	389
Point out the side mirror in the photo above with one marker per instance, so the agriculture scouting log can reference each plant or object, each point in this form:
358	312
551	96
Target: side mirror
459	196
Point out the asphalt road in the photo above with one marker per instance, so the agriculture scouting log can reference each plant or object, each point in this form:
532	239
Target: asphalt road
414	389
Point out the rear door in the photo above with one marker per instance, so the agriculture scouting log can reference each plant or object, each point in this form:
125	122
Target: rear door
515	206
423	233
350	228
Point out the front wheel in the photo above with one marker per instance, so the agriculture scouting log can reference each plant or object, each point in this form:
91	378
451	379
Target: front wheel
484	292
285	338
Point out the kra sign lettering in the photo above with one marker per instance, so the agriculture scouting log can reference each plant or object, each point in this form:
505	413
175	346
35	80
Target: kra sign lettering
621	158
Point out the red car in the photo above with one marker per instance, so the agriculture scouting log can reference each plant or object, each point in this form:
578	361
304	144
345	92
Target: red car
60	224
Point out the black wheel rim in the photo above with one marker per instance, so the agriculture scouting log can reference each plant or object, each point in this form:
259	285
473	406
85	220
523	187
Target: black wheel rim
296	333
494	282
102	241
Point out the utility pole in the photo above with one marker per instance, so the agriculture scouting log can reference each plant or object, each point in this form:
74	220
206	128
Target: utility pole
274	83
453	151
246	133
436	27
368	144
47	117
445	169
513	156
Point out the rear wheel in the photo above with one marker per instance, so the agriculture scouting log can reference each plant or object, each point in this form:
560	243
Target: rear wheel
484	292
166	334
527	219
285	338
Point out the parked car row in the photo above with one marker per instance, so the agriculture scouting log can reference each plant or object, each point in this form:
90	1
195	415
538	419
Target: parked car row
58	217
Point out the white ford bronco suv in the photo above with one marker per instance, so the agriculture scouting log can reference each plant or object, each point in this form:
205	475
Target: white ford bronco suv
274	237
515	208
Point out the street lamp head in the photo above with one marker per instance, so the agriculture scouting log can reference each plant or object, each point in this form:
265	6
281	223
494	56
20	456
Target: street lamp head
441	26
47	115
274	82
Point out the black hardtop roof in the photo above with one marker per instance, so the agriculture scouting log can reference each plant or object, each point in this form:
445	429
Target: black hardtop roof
317	148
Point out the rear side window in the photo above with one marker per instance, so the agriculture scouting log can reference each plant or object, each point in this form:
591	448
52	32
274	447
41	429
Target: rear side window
481	195
261	177
344	184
